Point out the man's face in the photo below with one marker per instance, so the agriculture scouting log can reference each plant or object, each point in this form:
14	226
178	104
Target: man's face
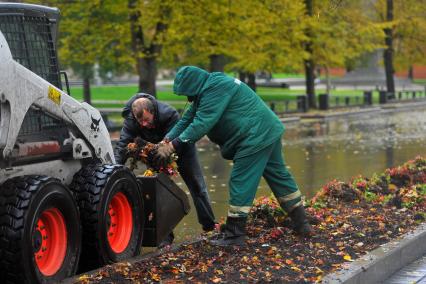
145	119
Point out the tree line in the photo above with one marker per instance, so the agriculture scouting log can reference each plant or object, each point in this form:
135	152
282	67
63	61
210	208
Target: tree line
243	36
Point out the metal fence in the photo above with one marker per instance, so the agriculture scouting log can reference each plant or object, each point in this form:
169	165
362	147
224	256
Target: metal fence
389	97
300	104
327	101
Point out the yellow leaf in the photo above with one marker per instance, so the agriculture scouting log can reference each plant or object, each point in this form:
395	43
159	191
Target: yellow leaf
83	277
392	187
219	272
268	274
155	277
204	268
347	257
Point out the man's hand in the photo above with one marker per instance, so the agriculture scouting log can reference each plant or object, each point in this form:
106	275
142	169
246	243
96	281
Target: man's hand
163	153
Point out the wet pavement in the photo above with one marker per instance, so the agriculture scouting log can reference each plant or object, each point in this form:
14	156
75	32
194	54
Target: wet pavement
412	273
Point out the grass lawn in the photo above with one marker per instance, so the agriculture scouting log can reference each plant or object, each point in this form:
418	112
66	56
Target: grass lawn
116	96
123	93
164	93
419	81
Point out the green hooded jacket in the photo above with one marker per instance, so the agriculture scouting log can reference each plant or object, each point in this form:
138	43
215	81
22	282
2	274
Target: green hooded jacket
227	111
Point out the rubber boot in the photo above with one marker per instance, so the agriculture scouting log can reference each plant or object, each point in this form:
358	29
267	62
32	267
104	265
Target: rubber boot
234	233
300	221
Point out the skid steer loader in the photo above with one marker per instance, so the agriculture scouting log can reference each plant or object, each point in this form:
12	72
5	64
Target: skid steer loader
65	206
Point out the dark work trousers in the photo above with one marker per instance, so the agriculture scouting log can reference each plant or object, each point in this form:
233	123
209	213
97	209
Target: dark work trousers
190	170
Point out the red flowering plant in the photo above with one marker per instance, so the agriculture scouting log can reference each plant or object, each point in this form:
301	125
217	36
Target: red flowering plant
360	183
401	186
145	152
335	190
367	188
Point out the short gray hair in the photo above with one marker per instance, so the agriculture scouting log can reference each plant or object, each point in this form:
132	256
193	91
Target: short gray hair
141	104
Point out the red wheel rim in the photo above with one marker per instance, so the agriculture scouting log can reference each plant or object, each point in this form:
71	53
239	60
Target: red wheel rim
120	224
50	241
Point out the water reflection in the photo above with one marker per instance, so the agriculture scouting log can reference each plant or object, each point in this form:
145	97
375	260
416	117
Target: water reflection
319	151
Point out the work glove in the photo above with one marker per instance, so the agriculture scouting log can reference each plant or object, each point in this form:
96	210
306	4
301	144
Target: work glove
163	153
166	140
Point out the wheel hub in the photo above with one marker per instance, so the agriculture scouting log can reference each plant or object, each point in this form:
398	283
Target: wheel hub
37	239
119	223
50	241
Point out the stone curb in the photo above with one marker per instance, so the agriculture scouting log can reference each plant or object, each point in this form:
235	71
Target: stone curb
379	264
289	119
391	107
341	113
404	106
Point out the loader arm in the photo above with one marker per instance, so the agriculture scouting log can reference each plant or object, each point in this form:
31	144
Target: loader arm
20	88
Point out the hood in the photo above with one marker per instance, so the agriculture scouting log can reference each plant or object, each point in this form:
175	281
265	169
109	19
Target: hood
190	81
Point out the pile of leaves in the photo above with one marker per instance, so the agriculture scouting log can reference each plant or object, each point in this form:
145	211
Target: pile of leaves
350	219
146	153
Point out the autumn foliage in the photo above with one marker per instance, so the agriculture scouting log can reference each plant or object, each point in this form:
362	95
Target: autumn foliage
349	218
145	153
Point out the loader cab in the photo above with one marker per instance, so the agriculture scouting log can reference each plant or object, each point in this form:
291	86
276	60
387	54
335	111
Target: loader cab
31	32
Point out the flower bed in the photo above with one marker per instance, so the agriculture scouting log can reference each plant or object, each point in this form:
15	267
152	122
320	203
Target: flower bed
350	219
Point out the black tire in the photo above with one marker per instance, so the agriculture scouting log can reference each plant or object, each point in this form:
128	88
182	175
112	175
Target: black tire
95	186
24	202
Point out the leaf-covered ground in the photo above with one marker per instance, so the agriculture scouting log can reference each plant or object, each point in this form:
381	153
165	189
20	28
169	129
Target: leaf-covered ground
350	219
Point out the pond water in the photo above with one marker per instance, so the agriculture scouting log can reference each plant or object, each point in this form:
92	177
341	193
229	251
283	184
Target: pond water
319	151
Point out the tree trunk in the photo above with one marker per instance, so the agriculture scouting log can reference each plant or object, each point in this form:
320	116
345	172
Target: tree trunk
249	79
388	54
86	90
327	78
252	81
242	76
411	73
147	71
217	63
309	63
85	72
146	65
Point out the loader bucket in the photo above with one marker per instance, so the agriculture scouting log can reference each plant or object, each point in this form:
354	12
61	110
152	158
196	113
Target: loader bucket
165	205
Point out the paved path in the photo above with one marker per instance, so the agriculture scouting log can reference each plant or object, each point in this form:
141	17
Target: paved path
415	272
388	260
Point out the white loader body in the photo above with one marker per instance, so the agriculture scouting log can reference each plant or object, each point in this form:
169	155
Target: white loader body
19	90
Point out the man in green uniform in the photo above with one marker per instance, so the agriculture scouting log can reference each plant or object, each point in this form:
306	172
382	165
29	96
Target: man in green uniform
248	132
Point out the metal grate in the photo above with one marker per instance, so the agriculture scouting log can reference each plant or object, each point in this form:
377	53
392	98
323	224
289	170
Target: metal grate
36	121
30	41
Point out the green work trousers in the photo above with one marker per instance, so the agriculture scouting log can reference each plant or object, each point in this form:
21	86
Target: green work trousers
245	178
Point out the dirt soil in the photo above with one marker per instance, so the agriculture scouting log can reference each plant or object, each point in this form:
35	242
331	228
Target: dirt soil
350	219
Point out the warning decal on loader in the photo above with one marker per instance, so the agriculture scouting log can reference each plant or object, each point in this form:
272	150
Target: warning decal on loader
54	95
